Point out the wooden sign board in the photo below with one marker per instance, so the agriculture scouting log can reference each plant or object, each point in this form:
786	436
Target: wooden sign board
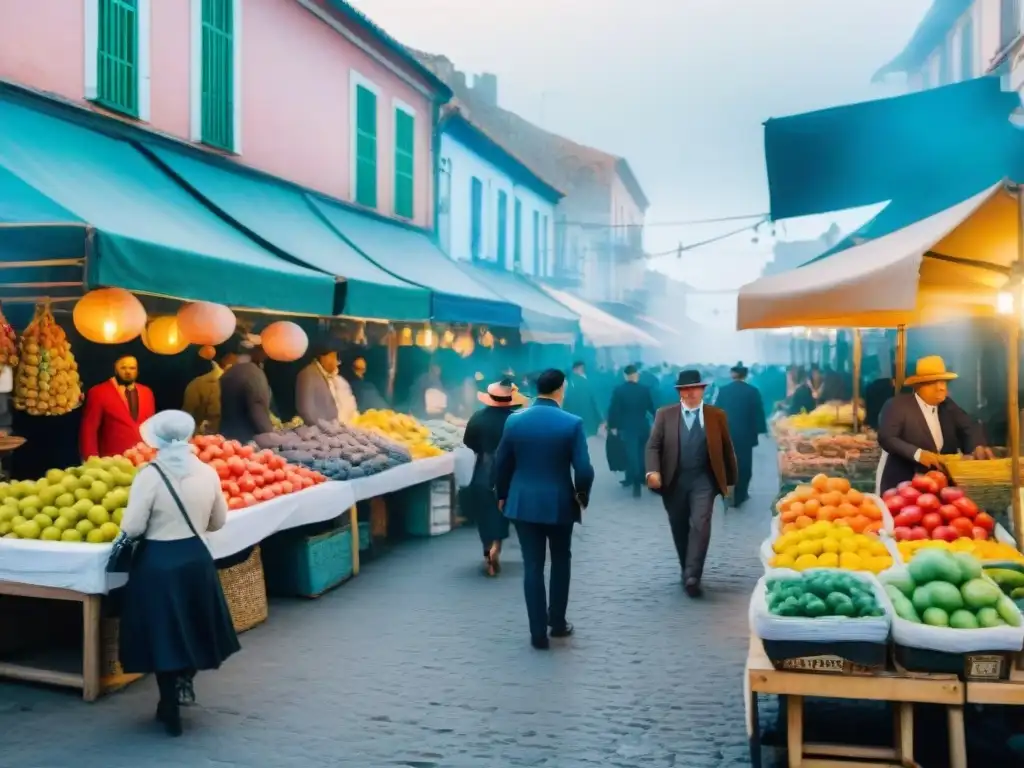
827	664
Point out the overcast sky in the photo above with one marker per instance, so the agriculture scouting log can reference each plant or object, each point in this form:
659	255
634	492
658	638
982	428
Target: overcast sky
679	88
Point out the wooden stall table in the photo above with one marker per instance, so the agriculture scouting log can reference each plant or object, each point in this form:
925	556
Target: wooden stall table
902	689
1003	692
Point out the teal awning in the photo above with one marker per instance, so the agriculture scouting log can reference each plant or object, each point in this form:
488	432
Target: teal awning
283	217
958	136
545	321
150	234
410	254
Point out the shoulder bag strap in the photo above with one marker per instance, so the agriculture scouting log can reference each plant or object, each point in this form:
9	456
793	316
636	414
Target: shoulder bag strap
177	499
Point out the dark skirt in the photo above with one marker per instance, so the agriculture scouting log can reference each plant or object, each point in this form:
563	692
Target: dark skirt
174	616
491	524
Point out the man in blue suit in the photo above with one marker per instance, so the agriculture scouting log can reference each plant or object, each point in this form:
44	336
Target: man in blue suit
543	478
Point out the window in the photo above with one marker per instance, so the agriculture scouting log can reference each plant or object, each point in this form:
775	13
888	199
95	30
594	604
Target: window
476	202
364	136
945	64
117	55
217	105
536	242
405	139
967	50
1009	22
517	235
544	247
502	229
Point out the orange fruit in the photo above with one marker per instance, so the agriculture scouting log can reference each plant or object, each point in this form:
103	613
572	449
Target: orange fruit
843	521
871	512
827	513
831	499
788	516
789	527
847	510
797	508
803	521
840	484
859	523
873	527
803	492
812	507
855	497
820	483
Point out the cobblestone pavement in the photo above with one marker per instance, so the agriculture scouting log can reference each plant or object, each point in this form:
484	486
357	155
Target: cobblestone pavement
422	662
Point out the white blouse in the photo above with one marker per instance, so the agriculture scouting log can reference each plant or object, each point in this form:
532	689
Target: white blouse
153	514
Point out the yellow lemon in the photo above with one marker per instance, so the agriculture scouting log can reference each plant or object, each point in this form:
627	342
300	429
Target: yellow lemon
805	561
809	547
784	542
817	530
877	549
828	560
830	546
848	546
783	561
793	550
842	532
963	545
880	563
850	561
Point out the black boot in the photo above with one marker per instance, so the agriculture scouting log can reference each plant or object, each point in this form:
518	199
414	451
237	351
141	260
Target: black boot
167	711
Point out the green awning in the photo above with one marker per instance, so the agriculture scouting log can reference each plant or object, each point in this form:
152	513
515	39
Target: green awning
283	217
151	235
545	321
456	297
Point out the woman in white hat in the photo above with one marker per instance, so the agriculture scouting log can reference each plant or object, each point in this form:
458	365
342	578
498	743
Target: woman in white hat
174	619
915	430
483	433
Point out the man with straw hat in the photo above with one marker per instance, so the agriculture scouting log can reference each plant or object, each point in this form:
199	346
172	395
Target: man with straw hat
916	429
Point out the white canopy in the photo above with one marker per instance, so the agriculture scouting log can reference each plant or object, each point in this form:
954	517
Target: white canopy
600	328
952	263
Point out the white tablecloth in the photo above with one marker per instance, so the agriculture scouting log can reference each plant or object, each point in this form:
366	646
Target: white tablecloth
403	476
465	460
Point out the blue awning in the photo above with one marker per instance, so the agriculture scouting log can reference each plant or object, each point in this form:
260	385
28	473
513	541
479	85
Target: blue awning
958	136
410	254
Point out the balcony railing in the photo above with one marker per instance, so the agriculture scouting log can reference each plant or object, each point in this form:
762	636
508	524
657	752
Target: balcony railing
1009	22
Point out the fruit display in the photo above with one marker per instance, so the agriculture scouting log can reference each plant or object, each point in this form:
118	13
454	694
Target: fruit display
339	451
296	421
822	593
829	545
456	421
1009	578
401	428
949	589
8	343
986	550
804	454
826	416
444	434
77	504
829	499
927	507
47	381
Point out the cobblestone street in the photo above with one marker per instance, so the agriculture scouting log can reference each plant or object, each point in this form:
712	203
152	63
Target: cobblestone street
422	662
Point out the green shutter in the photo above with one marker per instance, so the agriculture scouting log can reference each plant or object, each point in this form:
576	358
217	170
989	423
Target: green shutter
218	104
117	64
366	147
405	174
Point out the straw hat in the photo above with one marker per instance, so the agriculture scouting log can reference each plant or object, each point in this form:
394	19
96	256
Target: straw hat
502	394
929	369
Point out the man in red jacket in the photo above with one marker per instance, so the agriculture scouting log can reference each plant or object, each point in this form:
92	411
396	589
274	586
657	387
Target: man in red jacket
113	412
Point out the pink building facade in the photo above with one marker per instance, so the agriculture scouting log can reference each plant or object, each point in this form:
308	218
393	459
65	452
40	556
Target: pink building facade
306	90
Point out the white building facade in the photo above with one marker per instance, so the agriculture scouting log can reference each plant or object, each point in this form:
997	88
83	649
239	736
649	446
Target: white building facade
492	208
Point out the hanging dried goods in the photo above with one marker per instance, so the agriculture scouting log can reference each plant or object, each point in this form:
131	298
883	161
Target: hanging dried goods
47	381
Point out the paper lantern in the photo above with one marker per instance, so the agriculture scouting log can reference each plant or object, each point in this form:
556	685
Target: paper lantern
426	339
464	344
284	341
203	322
109	316
207	352
405	337
163	336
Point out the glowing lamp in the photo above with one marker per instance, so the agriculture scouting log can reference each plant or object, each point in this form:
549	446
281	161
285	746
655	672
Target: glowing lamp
204	322
464	344
163	336
426	339
1004	303
284	341
109	316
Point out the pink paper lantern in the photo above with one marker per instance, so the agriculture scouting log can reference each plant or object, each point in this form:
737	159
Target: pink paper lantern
284	341
205	323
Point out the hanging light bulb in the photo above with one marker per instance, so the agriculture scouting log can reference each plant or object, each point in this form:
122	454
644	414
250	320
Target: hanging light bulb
464	344
405	337
447	338
426	339
360	337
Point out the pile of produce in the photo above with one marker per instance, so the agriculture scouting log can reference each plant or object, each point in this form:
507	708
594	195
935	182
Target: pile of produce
829	499
987	550
8	344
47	382
803	454
400	428
339	451
927	507
823	593
444	435
455	421
823	417
830	545
1010	579
84	503
946	589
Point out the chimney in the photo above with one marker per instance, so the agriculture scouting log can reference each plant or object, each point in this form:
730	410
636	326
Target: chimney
458	81
485	86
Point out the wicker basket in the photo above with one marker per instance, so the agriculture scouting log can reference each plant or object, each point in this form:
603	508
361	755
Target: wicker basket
246	592
986	481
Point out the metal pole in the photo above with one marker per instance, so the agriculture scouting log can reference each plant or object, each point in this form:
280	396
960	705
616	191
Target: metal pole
857	353
1013	368
901	357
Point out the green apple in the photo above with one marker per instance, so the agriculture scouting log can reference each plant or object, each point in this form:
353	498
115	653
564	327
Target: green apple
51	533
63	523
82	506
84	526
43	521
51	494
71	534
71	483
12	535
98	490
109	531
95	536
29	530
18	520
98	515
110	502
30	502
83	494
118	515
5	528
51	512
55	476
7	514
64	500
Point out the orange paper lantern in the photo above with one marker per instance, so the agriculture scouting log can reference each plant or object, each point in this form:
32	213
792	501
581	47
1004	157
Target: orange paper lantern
109	316
203	322
163	336
284	341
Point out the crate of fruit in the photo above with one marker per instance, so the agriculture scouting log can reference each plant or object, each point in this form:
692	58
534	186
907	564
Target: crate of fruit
825	544
808	621
949	616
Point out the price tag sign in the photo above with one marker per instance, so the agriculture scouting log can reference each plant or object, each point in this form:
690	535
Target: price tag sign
985	667
834	664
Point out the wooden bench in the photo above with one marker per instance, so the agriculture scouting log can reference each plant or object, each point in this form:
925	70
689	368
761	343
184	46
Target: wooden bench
902	689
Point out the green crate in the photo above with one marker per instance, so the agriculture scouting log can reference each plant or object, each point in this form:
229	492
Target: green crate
299	564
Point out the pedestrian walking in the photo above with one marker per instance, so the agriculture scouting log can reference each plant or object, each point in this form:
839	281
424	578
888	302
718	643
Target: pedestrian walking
483	434
690	461
632	404
174	619
745	411
543	480
581	400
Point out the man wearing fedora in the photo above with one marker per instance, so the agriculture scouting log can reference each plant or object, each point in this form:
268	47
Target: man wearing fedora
916	429
628	421
744	408
690	461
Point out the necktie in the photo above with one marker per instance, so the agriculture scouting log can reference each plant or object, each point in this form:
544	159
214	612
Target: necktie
689	416
132	396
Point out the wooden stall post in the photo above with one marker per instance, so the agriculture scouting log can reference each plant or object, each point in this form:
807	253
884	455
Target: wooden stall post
353	527
857	353
900	373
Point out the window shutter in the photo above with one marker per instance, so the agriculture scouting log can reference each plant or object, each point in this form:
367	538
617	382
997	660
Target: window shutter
405	175
476	214
366	147
218	104
517	235
502	229
117	65
536	243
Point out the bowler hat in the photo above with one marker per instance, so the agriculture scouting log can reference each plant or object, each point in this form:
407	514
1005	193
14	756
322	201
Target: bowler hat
689	379
739	369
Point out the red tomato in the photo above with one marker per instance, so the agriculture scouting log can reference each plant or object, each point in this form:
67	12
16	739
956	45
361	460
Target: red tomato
246	483
985	520
949	512
221	467
979	533
249	499
279	475
924	484
268	476
258	494
938	478
967	507
896	503
205	456
287	486
945	533
928	501
890	493
275	488
236	465
916	534
931	521
950	494
963	526
901	532
259	480
233	488
253	467
912	514
245	451
235	503
903	521
910	493
307	482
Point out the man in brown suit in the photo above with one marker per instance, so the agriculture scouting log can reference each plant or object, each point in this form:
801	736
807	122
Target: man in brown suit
690	461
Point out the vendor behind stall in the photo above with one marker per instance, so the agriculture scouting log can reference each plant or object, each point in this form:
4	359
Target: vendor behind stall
202	395
427	398
321	394
366	393
245	394
915	430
